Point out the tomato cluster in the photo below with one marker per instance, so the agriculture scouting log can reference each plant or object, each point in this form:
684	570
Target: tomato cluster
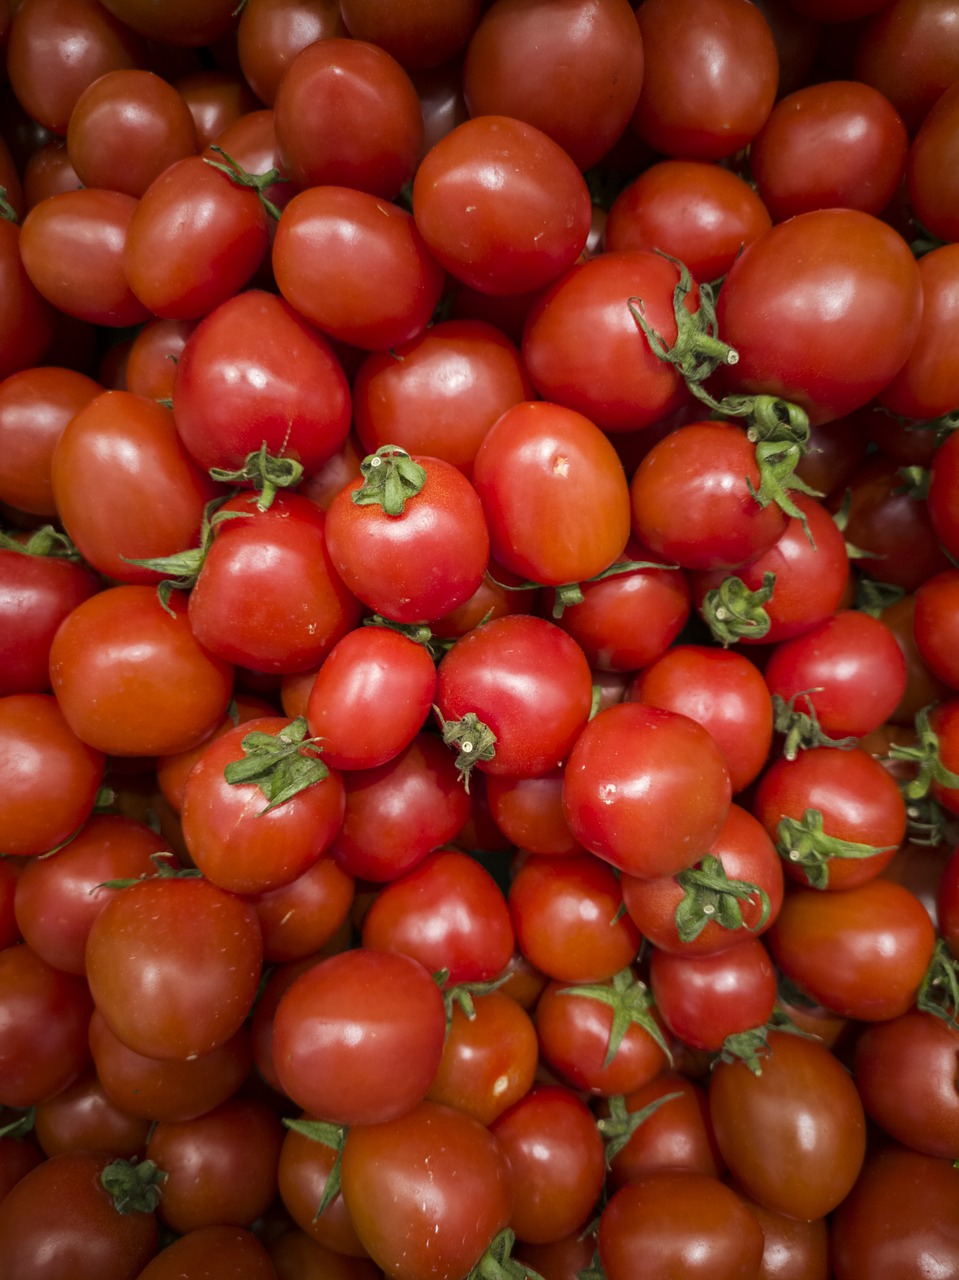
479	639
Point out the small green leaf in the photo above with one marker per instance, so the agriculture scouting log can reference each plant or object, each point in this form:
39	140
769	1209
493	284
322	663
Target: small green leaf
281	764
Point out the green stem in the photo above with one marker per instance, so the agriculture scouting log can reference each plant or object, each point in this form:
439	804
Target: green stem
801	729
805	844
631	1006
710	895
925	755
733	612
134	1187
474	741
281	764
391	478
264	472
257	182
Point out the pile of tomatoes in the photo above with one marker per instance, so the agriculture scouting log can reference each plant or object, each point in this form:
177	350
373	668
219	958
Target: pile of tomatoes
479	639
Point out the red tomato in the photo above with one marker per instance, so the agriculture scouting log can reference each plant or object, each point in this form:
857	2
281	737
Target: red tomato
82	1117
529	812
705	999
936	617
26	318
216	1248
930	168
676	1132
267	40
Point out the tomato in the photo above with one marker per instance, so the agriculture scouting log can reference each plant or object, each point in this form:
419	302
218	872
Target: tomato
827	358
646	789
271	33
942	494
43	1014
310	912
698	212
358	1037
929	168
447	912
704	999
217	99
907	51
575	74
220	1249
792	1250
180	22
322	233
862	953
794	1135
529	812
933	624
173	965
427	1191
26	318
347	115
60	1219
501	206
82	1117
567	918
306	1163
681	1224
675	1134
131	679
711	74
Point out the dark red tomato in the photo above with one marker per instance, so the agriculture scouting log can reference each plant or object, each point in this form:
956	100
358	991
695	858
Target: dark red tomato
693	498
73	246
703	999
323	233
126	128
584	348
930	169
934	625
439	394
305	1165
944	722
541	467
358	1037
10	872
711	75
721	690
173	965
43	1016
125	486
48	171
792	1250
427	1191
746	855
646	789
565	1259
824	795
82	1117
55	50
347	115
448	913
905	1072
181	22
50	777
26	318
164	1088
527	682
37	592
677	1133
250	141
575	73
400	811
862	953
578	1028
848	670
568	918
217	99
501	206
943	498
828	358
839	144
271	33
195	239
698	212
221	1167
836	448
59	896
424	34
555	1156
254	373
310	912
794	1135
489	1059
927	385
220	1250
908	51
529	812
681	1224
295	1256
17	1157
629	619
237	835
898	1220
35	406
154	354
131	679
371	697
59	1220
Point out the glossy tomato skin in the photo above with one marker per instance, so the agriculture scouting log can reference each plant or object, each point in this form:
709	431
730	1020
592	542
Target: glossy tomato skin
528	682
827	359
862	953
323	232
705	998
40	810
678	1134
271	33
646	789
255	372
930	176
529	812
793	1136
304	1167
36	594
133	680
502	207
427	1191
173	966
942	494
357	1038
420	564
229	1251
59	1220
26	318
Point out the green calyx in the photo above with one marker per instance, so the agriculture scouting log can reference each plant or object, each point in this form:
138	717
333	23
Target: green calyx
7	211
474	741
874	597
461	994
167	868
631	1005
710	895
925	755
22	1126
801	729
618	1127
281	764
327	1135
390	479
265	472
134	1187
805	844
939	991
734	612
45	542
498	1263
257	182
752	1046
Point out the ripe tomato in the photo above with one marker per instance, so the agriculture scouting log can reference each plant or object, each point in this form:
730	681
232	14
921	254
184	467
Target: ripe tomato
26	318
676	1133
216	1248
705	999
930	168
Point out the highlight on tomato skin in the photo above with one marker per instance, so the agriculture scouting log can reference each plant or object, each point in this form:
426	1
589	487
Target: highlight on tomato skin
479	727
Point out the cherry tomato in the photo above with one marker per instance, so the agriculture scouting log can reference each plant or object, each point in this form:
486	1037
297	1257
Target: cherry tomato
218	1248
271	33
82	1117
703	999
